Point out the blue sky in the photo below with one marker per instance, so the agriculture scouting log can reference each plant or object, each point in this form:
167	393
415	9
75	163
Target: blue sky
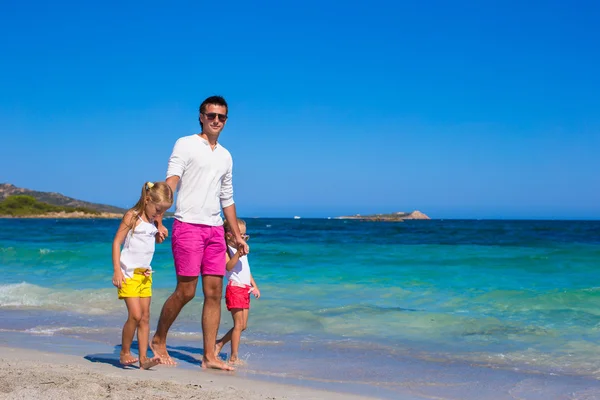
458	109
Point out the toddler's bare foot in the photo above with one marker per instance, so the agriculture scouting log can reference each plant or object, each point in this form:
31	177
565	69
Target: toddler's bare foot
127	359
147	363
236	361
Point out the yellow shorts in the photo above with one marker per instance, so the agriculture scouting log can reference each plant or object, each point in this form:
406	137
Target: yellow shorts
136	286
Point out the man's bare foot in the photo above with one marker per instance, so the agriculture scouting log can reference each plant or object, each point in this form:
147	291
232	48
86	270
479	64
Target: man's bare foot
218	348
127	359
160	351
216	364
147	363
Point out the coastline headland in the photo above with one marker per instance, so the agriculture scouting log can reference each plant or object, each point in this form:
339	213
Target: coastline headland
18	202
392	217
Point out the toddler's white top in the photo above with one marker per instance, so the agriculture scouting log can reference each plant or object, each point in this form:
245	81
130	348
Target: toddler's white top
241	271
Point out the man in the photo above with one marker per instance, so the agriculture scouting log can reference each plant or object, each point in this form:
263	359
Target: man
202	169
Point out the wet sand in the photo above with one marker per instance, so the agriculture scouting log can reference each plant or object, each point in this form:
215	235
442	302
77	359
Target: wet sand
33	374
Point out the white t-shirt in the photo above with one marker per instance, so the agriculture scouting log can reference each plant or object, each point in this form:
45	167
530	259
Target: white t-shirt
241	271
138	248
206	180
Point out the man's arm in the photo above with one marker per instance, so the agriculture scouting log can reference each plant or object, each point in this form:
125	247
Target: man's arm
172	181
230	215
177	164
228	206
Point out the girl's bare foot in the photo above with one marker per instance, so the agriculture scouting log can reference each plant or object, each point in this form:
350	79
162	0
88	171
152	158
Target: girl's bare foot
147	363
127	359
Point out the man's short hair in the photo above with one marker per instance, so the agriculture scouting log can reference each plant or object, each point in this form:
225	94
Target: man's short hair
215	100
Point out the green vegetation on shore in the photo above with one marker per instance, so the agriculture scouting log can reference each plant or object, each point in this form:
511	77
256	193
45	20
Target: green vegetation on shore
23	206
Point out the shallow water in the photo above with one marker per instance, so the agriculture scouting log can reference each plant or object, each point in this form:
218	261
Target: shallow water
511	295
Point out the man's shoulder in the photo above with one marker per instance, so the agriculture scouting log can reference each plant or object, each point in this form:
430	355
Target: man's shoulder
188	138
185	143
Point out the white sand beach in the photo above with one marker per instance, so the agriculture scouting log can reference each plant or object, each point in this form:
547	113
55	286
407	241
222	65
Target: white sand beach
32	374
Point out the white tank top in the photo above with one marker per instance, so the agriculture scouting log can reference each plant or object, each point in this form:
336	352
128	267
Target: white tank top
241	271
138	249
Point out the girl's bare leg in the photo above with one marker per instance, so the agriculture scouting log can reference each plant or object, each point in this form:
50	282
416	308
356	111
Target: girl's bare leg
133	318
143	334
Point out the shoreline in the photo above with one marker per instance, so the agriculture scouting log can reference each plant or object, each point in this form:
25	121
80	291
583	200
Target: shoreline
57	376
66	215
69	367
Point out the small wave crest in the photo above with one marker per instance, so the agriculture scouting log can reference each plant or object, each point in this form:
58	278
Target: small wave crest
76	331
26	295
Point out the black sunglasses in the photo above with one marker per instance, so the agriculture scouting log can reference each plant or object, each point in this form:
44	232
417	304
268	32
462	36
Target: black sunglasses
212	116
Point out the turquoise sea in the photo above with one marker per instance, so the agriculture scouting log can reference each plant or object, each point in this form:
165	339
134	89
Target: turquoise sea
419	307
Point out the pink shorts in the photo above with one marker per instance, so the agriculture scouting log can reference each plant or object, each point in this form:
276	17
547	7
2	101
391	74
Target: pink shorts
198	249
237	297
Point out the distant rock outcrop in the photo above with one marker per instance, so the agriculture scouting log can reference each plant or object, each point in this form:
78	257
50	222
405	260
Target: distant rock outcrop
416	215
57	199
393	217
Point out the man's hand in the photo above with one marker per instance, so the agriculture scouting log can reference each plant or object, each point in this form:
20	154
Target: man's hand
242	246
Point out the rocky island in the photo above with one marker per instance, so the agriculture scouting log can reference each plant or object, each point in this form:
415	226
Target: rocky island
18	202
393	217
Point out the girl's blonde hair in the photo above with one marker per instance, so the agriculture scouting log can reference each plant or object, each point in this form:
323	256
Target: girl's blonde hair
156	192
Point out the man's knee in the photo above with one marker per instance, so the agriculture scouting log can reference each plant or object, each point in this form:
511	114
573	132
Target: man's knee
212	287
213	296
186	289
185	294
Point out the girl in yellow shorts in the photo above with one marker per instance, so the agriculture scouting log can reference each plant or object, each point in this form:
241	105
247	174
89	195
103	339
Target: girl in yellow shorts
132	271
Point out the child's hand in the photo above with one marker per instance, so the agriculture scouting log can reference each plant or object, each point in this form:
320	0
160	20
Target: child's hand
163	231
256	292
118	279
161	236
147	272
